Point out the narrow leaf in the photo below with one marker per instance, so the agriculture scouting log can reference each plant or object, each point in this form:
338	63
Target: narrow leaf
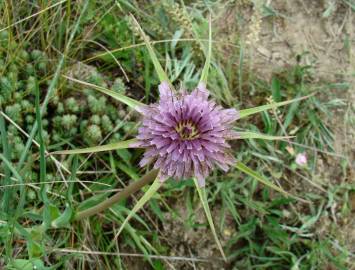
100	148
7	154
204	75
129	170
254	135
276	89
50	213
92	201
158	68
203	197
11	168
247	112
240	166
130	102
64	219
290	114
22	200
142	201
73	171
42	156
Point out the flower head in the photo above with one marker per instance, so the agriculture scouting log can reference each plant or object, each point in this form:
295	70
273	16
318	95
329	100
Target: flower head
185	135
301	159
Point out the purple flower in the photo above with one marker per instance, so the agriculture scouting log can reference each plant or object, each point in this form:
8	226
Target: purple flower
185	135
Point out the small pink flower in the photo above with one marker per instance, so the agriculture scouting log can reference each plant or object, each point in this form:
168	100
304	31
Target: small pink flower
301	159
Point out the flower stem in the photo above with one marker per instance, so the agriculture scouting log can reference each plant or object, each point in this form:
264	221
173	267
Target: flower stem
135	186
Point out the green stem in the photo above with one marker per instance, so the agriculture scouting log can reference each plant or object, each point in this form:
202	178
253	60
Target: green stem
135	186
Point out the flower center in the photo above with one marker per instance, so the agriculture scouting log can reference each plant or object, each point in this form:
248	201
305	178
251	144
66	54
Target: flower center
187	130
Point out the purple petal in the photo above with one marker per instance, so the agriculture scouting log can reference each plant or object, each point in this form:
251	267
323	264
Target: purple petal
186	134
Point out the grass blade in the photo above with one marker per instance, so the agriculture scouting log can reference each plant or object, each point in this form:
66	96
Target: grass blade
254	135
204	75
42	157
73	171
290	114
247	112
142	201
32	15
130	102
13	170
245	169
64	219
7	155
203	198
100	148
276	89
20	205
158	68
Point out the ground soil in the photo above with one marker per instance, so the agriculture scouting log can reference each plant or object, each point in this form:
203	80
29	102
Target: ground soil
326	41
323	33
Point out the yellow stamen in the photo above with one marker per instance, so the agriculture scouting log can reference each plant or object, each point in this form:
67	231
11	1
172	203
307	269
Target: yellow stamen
187	130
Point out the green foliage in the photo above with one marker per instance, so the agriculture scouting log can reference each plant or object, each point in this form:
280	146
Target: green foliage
257	228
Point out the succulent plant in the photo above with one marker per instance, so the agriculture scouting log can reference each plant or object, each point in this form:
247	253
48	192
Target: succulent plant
89	115
93	134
